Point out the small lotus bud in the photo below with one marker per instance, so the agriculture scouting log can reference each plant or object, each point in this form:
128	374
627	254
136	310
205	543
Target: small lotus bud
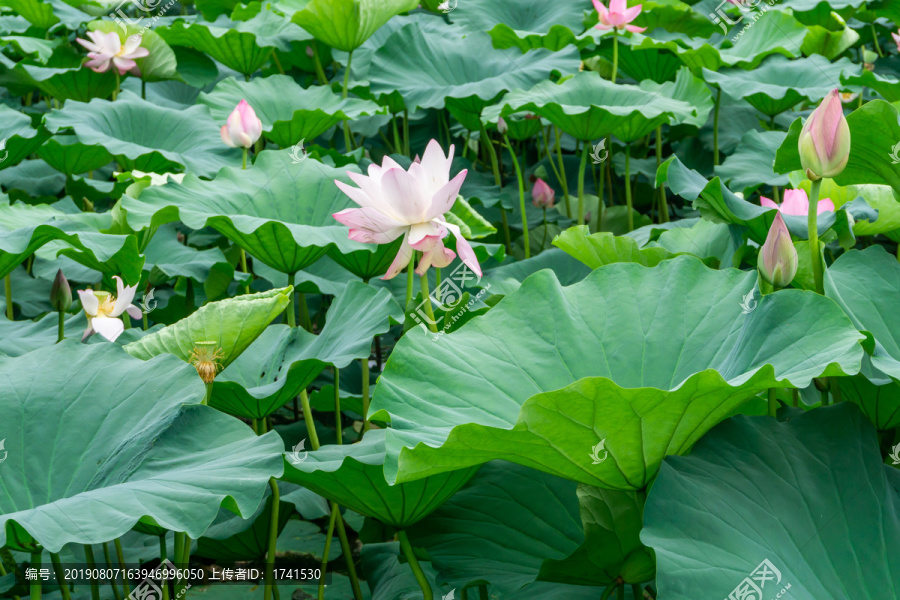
540	173
243	127
205	358
778	260
825	139
309	51
869	56
502	126
60	293
542	195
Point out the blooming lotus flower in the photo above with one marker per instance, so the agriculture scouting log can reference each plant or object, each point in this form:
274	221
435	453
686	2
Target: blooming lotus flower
825	139
796	202
394	203
542	195
106	49
896	37
778	260
618	16
242	128
103	310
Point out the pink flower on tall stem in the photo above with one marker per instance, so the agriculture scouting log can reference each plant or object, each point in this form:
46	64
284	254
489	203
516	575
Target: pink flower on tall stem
796	202
104	310
618	16
105	50
395	202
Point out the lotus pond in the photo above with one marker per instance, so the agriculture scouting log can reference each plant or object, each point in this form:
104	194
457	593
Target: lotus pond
459	300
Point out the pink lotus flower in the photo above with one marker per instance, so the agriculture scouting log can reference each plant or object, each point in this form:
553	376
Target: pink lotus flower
824	143
778	260
896	37
618	15
105	50
394	202
103	310
796	202
542	195
242	128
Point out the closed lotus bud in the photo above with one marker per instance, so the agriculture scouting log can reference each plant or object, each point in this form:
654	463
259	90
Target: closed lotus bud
869	56
778	261
542	194
825	139
502	126
243	128
60	293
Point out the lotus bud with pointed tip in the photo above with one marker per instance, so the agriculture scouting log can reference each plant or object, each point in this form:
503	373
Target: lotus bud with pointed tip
825	139
502	127
60	293
542	194
778	259
243	128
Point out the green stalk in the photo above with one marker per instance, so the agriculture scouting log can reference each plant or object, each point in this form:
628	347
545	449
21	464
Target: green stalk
60	576
515	161
112	582
813	228
179	545
244	269
347	139
7	284
244	161
305	321
308	418
115	92
429	311
607	592
328	537
365	395
89	556
208	396
120	557
581	167
601	204
663	205
483	592
348	552
875	39
495	167
36	583
407	548
61	327
615	54
397	143
291	317
795	397
636	591
628	187
410	278
564	182
163	583
320	72
773	403
556	173
273	535
406	132
186	561
337	406
716	127
544	240
620	592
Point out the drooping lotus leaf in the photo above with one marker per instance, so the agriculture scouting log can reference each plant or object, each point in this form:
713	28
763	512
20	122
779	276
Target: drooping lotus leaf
877	399
538	514
704	239
874	129
751	163
884	84
147	137
779	83
809	495
346	24
232	323
604	248
244	46
643	360
461	64
48	14
691	91
65	154
588	107
285	360
507	278
389	578
353	476
67	83
866	285
130	451
369	262
277	210
24	228
19	337
20	138
887	202
289	113
32	48
525	25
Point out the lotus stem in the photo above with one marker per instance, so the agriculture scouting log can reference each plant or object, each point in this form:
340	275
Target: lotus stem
773	403
637	592
291	317
608	592
564	181
515	161
143	90
310	422
347	551
185	562
305	321
364	363
875	40
464	594
483	592
410	279
120	557
398	145
320	72
244	161
244	270
7	285
89	557
407	548
347	138
795	397
426	296
163	582
615	53
277	62
544	240
406	132
716	127
337	407
581	167
61	327
36	583
273	536
60	576
609	174
628	202
208	396
328	537
620	592
663	205
112	582
813	228
495	167
115	93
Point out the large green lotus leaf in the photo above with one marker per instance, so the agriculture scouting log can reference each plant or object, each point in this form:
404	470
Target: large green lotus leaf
750	166
674	16
691	91
65	154
809	495
19	337
886	201
278	210
644	360
31	48
874	131
346	24
588	107
656	64
147	137
507	278
160	64
886	85
24	228
391	579
369	262
538	514
244	46
20	139
47	14
704	239
289	113
612	550
429	61
604	248
779	83
867	284
353	476
526	25
72	83
232	323
141	450
284	360
877	399
830	44
232	537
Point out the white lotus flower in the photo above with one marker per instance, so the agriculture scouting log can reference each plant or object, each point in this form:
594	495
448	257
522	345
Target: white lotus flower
103	310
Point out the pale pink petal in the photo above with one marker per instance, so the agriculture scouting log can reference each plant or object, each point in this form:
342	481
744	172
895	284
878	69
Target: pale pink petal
604	26
421	233
632	13
225	137
825	205
134	311
443	200
124	296
89	302
795	202
132	43
98	64
768	202
617	19
91	46
111	43
635	28
601	10
405	195
618	7
435	255
466	253
109	328
370	226
404	255
123	64
87	332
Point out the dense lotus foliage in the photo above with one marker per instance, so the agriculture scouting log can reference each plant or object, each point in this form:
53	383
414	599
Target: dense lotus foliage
450	299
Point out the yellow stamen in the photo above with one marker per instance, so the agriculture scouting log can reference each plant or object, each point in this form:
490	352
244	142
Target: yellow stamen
205	357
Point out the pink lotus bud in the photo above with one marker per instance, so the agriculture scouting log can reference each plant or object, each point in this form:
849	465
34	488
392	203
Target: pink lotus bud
777	261
542	194
825	139
242	128
60	293
309	52
502	127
